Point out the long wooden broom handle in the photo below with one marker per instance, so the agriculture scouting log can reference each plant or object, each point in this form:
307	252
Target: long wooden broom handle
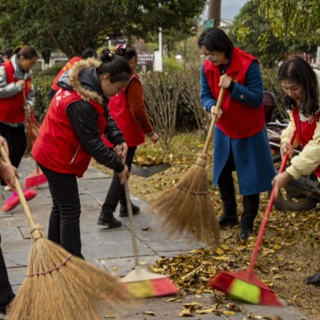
132	228
263	227
20	192
213	123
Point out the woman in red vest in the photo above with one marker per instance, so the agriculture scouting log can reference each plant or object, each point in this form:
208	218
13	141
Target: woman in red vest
16	100
240	137
300	85
129	111
71	134
87	53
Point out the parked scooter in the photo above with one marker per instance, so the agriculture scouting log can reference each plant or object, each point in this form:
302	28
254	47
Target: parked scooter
300	194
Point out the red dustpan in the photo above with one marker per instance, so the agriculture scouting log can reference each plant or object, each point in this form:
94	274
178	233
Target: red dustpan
245	285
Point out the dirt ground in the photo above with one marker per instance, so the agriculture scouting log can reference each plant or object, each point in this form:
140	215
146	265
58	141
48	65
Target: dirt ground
290	248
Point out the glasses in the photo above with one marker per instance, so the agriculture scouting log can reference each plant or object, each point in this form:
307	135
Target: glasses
209	56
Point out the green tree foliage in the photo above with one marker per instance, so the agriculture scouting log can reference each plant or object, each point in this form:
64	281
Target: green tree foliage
253	33
294	19
72	25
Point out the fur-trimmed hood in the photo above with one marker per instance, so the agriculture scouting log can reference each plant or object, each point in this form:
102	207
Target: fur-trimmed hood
83	79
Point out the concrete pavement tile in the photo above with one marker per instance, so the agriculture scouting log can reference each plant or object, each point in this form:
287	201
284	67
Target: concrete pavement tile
16	258
93	173
17	275
15	245
10	233
120	267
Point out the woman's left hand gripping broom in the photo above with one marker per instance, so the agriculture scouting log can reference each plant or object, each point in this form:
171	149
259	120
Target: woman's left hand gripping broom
141	283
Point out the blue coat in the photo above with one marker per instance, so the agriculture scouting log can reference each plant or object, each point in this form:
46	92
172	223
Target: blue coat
252	155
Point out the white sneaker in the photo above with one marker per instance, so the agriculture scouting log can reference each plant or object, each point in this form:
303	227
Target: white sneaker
6	188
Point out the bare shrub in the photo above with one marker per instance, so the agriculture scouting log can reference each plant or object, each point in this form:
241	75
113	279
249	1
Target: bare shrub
161	94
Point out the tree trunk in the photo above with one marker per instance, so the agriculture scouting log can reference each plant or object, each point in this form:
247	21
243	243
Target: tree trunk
214	12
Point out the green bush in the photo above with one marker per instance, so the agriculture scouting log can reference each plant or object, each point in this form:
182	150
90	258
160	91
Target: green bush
42	82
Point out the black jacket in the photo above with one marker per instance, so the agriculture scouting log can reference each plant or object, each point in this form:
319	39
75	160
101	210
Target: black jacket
83	119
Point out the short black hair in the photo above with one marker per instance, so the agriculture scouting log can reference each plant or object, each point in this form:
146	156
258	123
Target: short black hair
215	39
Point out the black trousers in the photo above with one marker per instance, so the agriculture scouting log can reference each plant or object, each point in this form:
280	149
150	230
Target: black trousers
64	223
6	293
17	143
228	196
116	192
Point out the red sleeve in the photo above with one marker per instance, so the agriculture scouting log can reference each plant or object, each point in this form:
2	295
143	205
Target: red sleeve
137	106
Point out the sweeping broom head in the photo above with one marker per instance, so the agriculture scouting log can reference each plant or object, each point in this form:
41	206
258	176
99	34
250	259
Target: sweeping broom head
245	286
187	207
34	179
60	286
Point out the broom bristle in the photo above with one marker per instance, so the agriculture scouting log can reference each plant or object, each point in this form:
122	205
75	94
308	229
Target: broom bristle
35	179
187	207
59	286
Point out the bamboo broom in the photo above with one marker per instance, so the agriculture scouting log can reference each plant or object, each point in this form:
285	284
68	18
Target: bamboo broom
187	206
60	286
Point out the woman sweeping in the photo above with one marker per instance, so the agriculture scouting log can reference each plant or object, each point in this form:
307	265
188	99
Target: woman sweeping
240	136
71	134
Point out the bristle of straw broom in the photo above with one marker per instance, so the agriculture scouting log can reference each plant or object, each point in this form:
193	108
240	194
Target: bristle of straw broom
60	286
187	206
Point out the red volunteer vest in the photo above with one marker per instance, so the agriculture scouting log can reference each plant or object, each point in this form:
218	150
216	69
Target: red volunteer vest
120	112
57	146
11	108
305	131
66	67
238	120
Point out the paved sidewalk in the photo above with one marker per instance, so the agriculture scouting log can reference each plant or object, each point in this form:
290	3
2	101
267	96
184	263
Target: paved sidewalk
111	248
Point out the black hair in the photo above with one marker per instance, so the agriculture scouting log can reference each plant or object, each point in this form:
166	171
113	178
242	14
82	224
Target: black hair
26	51
118	68
88	53
215	39
8	53
300	72
127	52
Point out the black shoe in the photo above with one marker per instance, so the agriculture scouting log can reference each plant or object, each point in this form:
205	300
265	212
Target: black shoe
245	234
226	221
315	280
124	212
109	220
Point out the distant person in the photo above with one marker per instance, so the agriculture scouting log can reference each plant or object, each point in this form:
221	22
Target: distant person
87	53
240	136
129	112
70	135
16	100
6	56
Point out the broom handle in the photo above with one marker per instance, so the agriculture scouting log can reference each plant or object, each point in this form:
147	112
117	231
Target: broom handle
132	228
213	123
20	192
263	227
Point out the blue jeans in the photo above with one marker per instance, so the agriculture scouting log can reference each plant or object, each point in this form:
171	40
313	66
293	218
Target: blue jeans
64	223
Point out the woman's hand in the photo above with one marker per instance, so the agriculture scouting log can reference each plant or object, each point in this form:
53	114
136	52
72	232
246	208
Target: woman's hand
216	113
8	172
286	149
27	110
225	81
280	181
124	175
121	150
154	138
22	84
